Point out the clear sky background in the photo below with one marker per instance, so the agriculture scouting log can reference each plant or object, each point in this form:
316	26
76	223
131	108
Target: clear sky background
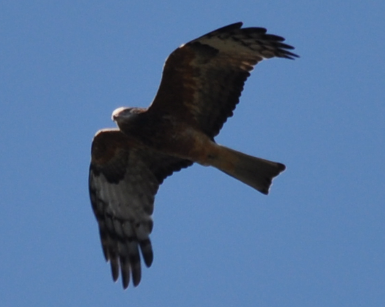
318	239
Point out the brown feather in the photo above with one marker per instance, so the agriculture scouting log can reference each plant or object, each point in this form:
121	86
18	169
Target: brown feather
203	79
123	181
255	172
200	88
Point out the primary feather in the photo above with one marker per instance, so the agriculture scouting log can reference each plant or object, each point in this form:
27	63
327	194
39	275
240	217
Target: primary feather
201	84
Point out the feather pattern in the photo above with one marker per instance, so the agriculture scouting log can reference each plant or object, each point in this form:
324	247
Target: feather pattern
200	88
123	182
203	79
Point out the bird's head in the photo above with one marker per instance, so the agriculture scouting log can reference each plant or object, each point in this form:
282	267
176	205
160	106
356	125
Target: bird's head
121	114
124	115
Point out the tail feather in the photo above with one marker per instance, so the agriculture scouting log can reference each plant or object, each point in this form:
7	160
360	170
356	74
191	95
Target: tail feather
255	172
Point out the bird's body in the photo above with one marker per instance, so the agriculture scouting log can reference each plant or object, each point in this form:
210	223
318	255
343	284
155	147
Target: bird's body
201	84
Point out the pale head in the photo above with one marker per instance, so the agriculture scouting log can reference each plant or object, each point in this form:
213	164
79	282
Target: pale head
125	114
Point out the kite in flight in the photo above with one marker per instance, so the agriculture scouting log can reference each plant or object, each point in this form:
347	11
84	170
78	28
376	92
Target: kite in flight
200	87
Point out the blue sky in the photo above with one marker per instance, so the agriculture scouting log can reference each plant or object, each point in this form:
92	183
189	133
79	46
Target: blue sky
318	239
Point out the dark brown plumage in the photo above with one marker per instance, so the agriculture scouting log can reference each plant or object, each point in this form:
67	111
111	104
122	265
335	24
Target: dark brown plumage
200	88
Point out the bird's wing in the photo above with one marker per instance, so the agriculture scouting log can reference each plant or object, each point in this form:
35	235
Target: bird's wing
203	79
123	181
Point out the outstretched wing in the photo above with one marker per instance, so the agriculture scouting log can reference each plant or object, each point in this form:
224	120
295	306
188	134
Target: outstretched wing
123	181
203	79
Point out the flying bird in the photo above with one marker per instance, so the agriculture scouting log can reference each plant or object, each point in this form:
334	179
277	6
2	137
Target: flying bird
201	84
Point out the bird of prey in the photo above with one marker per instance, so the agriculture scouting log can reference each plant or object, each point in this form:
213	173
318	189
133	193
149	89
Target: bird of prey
201	84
